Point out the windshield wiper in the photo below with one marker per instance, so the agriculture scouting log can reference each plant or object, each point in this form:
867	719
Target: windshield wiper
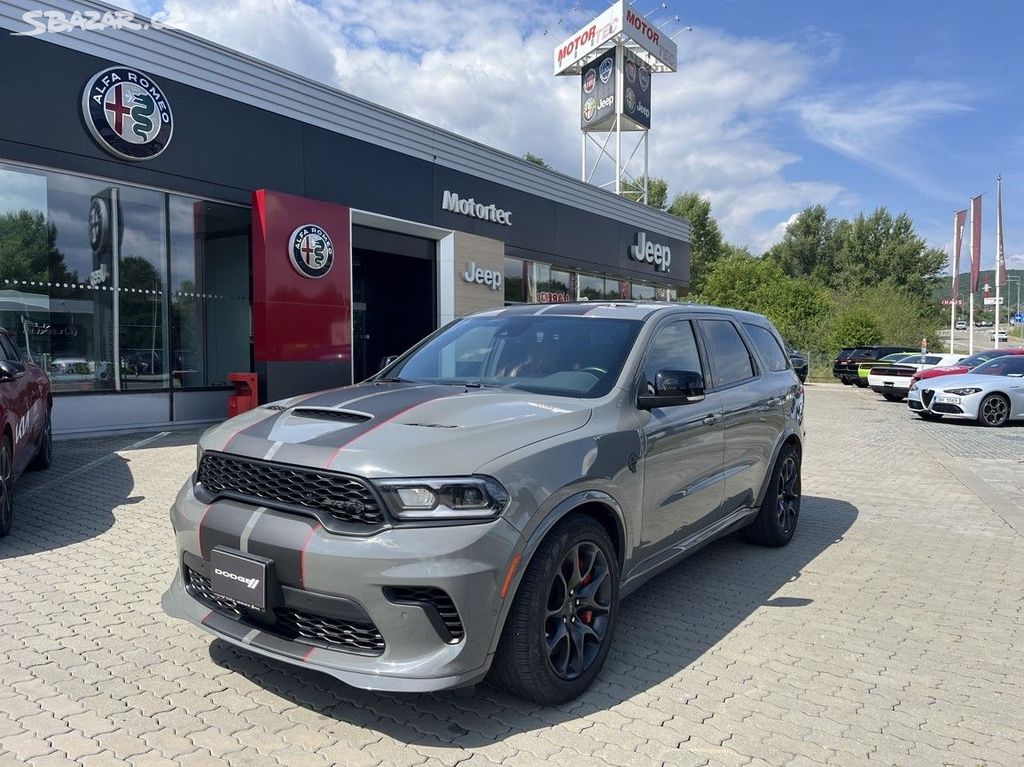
393	380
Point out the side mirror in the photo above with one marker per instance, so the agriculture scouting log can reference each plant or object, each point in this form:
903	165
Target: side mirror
11	371
673	387
387	361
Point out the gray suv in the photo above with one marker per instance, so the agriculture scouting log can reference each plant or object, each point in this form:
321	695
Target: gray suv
484	502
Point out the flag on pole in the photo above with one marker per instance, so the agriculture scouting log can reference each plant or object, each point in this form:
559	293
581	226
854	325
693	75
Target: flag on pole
975	242
959	221
1000	258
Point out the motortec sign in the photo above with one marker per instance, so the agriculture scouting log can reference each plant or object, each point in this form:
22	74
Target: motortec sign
652	253
619	19
588	39
468	206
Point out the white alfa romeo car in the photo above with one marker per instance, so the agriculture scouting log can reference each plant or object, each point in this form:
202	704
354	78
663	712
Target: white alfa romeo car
892	380
992	394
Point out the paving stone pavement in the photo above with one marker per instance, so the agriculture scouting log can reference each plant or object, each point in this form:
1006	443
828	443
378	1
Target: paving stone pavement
888	632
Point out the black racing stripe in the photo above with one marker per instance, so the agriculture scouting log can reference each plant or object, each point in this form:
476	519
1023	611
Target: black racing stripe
279	646
282	539
339	397
382	407
522	311
225	625
260	430
222	526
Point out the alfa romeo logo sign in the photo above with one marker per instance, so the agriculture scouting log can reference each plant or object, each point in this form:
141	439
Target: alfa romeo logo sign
127	113
311	251
99	220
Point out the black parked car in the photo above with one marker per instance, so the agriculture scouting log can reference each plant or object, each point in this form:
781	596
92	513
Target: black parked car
799	363
845	366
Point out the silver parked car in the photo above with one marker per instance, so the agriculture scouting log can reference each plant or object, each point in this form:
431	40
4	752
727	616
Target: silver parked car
991	394
483	503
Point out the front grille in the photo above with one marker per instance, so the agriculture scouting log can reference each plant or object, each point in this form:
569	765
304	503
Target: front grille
439	600
945	407
340	498
926	396
295	625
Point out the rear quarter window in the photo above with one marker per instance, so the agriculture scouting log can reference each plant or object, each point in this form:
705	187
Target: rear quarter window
767	347
730	360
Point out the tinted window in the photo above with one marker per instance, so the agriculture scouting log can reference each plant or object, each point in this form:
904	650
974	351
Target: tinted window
674	347
1002	366
730	360
932	359
768	347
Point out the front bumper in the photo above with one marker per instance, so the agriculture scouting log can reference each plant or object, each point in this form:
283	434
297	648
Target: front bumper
948	406
468	563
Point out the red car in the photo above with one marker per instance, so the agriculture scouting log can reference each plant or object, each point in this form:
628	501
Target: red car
964	365
27	436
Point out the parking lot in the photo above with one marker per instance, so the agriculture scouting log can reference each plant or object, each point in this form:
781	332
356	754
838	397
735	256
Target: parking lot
890	631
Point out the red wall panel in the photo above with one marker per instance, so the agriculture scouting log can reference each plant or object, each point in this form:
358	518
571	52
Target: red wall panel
297	318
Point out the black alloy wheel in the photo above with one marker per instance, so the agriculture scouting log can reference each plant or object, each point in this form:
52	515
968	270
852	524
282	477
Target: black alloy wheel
578	607
994	410
561	622
6	501
44	453
777	518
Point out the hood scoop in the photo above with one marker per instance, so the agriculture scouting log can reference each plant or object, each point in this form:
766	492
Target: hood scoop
326	414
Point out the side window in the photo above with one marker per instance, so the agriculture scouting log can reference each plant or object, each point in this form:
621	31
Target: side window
768	347
730	360
674	347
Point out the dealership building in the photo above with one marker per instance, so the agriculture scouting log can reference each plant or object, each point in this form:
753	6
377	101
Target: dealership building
172	211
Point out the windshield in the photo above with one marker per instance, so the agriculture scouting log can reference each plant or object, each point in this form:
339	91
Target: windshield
566	356
1002	366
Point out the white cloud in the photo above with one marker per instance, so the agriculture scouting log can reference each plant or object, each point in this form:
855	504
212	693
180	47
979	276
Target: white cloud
483	70
873	126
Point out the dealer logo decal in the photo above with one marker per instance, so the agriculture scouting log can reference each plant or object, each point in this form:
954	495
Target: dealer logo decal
311	250
127	113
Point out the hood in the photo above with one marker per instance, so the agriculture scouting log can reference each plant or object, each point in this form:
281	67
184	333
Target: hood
958	381
398	429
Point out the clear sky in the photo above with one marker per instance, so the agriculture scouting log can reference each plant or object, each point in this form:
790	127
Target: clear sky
777	105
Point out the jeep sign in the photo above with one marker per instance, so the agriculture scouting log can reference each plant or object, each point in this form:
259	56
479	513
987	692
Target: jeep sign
492	279
651	253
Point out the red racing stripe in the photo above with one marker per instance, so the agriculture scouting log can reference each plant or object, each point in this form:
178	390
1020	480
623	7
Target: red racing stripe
302	555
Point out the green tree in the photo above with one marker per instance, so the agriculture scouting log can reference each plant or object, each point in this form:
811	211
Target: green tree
798	306
28	249
706	245
855	327
808	248
657	191
536	160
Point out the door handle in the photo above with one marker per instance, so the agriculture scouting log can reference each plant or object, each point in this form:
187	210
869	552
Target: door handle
711	419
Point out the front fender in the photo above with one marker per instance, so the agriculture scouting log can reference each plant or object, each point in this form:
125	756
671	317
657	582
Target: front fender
559	512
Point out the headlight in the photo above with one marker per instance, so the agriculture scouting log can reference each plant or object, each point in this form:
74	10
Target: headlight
913	386
444	498
964	392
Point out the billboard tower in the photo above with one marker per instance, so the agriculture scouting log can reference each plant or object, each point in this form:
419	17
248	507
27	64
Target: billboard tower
615	56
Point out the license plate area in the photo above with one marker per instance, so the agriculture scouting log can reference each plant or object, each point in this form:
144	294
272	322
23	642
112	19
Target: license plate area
241	577
887	383
947	400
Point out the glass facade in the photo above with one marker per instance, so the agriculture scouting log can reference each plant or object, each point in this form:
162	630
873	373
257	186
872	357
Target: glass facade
538	283
110	287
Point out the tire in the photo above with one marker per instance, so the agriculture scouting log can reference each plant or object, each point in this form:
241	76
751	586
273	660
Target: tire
929	416
846	381
893	397
6	499
994	410
776	521
44	453
537	656
861	384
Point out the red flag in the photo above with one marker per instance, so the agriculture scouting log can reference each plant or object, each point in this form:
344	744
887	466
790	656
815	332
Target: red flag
959	221
1000	259
975	242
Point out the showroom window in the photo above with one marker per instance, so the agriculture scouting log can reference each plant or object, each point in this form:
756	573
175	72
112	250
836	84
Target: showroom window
84	267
